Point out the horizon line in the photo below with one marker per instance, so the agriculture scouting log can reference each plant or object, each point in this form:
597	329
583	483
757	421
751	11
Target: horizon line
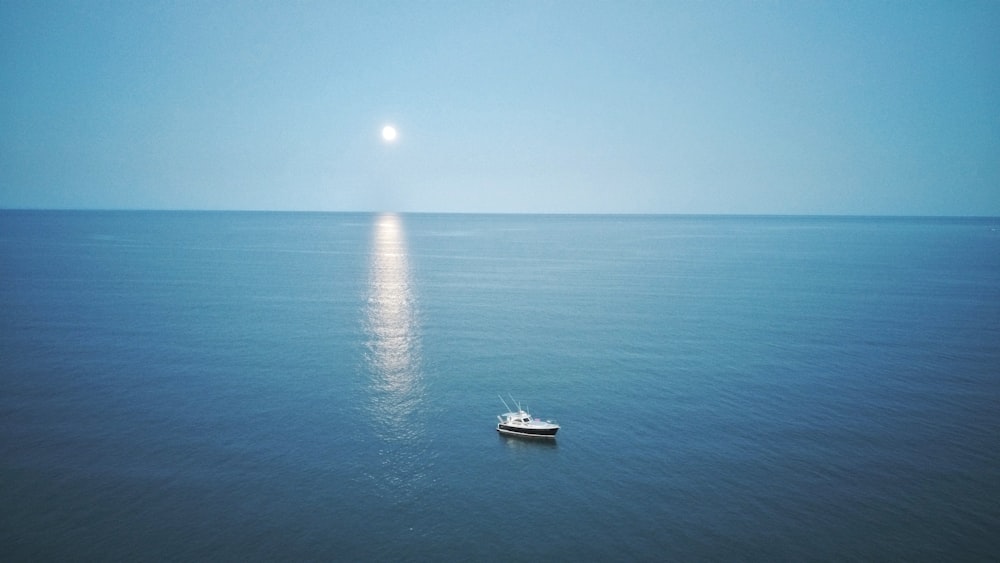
538	213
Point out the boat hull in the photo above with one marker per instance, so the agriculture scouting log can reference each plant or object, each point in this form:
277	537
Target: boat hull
529	432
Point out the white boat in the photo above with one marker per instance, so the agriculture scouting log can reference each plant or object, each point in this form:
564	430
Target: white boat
520	423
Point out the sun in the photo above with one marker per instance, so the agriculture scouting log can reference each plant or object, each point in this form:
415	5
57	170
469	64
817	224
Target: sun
389	133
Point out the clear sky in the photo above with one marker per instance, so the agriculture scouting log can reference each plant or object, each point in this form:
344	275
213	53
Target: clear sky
798	107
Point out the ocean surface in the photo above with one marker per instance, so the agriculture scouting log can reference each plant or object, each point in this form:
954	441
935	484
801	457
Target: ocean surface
270	386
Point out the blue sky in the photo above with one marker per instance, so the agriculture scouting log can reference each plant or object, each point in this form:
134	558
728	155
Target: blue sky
802	107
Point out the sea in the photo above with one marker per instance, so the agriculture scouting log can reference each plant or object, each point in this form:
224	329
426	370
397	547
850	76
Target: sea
241	386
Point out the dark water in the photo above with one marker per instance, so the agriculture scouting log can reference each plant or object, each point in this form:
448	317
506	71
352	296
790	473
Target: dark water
233	386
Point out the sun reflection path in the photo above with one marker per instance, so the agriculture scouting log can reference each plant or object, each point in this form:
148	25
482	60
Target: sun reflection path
391	326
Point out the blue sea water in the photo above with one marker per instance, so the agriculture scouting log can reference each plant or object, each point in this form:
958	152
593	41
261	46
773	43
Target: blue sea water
267	386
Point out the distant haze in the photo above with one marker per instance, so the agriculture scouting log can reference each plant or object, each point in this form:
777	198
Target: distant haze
736	107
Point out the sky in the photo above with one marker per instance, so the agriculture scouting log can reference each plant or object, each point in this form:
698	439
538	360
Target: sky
731	107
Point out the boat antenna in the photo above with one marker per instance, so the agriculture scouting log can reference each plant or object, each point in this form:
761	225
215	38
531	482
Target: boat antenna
519	409
505	403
